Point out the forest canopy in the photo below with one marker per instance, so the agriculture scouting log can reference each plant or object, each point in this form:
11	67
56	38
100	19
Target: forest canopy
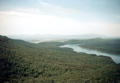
22	62
111	46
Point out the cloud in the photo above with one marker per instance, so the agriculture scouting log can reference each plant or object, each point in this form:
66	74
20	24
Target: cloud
43	7
39	7
116	16
57	8
13	22
106	28
26	23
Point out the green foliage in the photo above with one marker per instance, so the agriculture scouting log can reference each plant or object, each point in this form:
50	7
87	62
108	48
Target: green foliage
23	62
105	45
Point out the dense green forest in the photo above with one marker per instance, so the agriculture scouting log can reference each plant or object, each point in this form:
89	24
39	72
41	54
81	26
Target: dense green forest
23	62
104	45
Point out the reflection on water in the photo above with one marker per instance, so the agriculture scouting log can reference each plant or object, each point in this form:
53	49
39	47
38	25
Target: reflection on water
75	47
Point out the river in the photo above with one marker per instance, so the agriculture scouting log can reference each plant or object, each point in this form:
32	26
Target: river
75	47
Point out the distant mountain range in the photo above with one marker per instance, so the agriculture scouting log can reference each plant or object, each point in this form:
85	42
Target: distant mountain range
50	37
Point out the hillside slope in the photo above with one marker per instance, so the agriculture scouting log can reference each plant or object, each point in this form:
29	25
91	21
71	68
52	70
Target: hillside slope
105	45
22	62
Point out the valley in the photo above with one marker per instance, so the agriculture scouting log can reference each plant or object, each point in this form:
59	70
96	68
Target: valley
46	62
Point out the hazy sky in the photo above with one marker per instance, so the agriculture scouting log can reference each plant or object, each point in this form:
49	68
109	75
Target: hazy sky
67	17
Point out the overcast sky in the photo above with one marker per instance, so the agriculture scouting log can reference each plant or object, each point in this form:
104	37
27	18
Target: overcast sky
66	17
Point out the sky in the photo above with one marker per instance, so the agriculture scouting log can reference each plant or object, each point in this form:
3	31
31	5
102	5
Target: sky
63	17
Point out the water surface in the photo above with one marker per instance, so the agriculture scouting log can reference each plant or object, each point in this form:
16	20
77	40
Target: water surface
75	47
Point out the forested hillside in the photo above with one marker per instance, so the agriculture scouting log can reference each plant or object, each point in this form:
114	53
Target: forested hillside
105	45
23	62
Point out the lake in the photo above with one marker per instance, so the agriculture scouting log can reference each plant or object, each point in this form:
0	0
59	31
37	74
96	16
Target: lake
75	47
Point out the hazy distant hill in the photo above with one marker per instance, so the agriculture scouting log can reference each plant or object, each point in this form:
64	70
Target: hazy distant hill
105	45
33	37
